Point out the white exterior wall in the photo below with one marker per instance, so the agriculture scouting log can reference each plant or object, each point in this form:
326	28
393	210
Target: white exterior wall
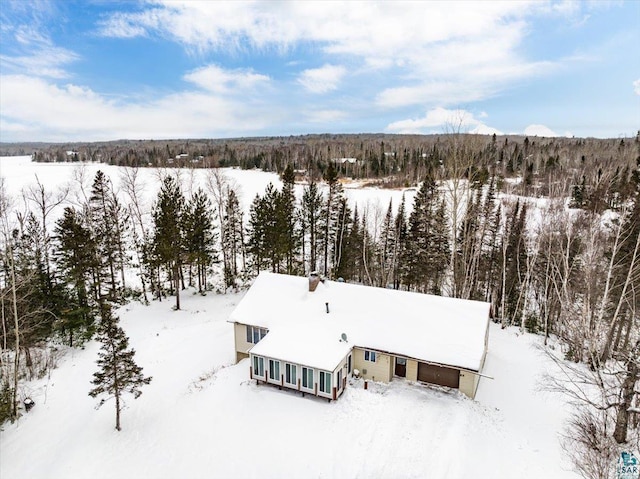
315	389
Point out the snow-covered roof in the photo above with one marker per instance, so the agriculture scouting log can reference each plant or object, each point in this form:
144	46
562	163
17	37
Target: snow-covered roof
430	328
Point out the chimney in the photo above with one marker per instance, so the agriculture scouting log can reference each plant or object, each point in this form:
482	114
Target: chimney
314	280
327	305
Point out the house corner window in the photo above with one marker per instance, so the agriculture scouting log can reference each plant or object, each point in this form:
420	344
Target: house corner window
255	334
325	382
370	356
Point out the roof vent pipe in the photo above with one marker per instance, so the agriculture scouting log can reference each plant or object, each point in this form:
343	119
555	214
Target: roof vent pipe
327	305
314	280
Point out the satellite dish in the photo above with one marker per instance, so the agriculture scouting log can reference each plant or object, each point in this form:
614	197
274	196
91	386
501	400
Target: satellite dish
343	336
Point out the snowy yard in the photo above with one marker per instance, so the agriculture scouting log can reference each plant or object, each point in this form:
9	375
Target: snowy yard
202	417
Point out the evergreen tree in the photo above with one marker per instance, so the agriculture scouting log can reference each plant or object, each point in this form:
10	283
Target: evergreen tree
76	258
350	257
426	255
256	234
288	219
267	240
312	205
102	230
401	233
514	266
232	240
168	236
109	224
386	248
199	235
330	213
343	227
118	373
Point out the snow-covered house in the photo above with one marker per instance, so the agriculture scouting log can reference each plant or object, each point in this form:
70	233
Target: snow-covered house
310	335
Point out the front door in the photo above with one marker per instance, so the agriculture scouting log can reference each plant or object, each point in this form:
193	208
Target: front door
401	367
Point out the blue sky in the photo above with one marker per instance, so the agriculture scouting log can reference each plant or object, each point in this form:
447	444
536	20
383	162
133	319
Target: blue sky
105	70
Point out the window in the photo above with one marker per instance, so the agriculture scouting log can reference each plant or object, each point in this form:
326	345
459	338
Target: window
307	378
325	382
290	373
349	364
274	369
370	356
258	366
255	334
340	379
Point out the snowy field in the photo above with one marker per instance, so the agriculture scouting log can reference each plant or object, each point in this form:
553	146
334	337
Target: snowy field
202	417
20	172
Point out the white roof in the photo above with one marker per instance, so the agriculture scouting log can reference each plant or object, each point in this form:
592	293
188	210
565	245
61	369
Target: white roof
430	328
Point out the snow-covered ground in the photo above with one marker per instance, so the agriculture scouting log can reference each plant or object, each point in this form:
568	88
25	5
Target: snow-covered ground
20	172
201	416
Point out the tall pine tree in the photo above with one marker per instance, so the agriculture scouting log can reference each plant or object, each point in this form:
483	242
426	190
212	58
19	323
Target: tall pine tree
168	237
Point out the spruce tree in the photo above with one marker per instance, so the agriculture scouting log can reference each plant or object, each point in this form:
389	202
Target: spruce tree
103	230
199	235
400	244
118	373
330	212
386	248
168	235
232	241
426	255
312	204
76	258
288	219
257	233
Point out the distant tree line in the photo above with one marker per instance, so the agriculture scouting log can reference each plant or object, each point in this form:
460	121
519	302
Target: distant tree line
583	167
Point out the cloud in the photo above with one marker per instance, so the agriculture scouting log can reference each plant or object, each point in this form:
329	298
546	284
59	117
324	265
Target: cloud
432	53
325	116
448	121
323	79
33	108
540	130
636	86
120	26
35	54
219	80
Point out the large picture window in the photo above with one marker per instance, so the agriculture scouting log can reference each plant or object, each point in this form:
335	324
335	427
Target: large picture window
290	373
370	356
258	366
274	369
325	382
255	334
307	378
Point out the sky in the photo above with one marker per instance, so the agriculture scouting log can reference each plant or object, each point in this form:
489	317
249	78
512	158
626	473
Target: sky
105	70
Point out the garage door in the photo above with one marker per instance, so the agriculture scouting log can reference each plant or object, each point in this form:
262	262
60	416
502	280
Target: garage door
430	373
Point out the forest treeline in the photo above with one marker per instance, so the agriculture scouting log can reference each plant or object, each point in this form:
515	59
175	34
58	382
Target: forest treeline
547	231
548	166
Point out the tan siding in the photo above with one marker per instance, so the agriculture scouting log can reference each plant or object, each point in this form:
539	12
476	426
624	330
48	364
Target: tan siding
240	356
467	383
412	370
381	370
240	336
